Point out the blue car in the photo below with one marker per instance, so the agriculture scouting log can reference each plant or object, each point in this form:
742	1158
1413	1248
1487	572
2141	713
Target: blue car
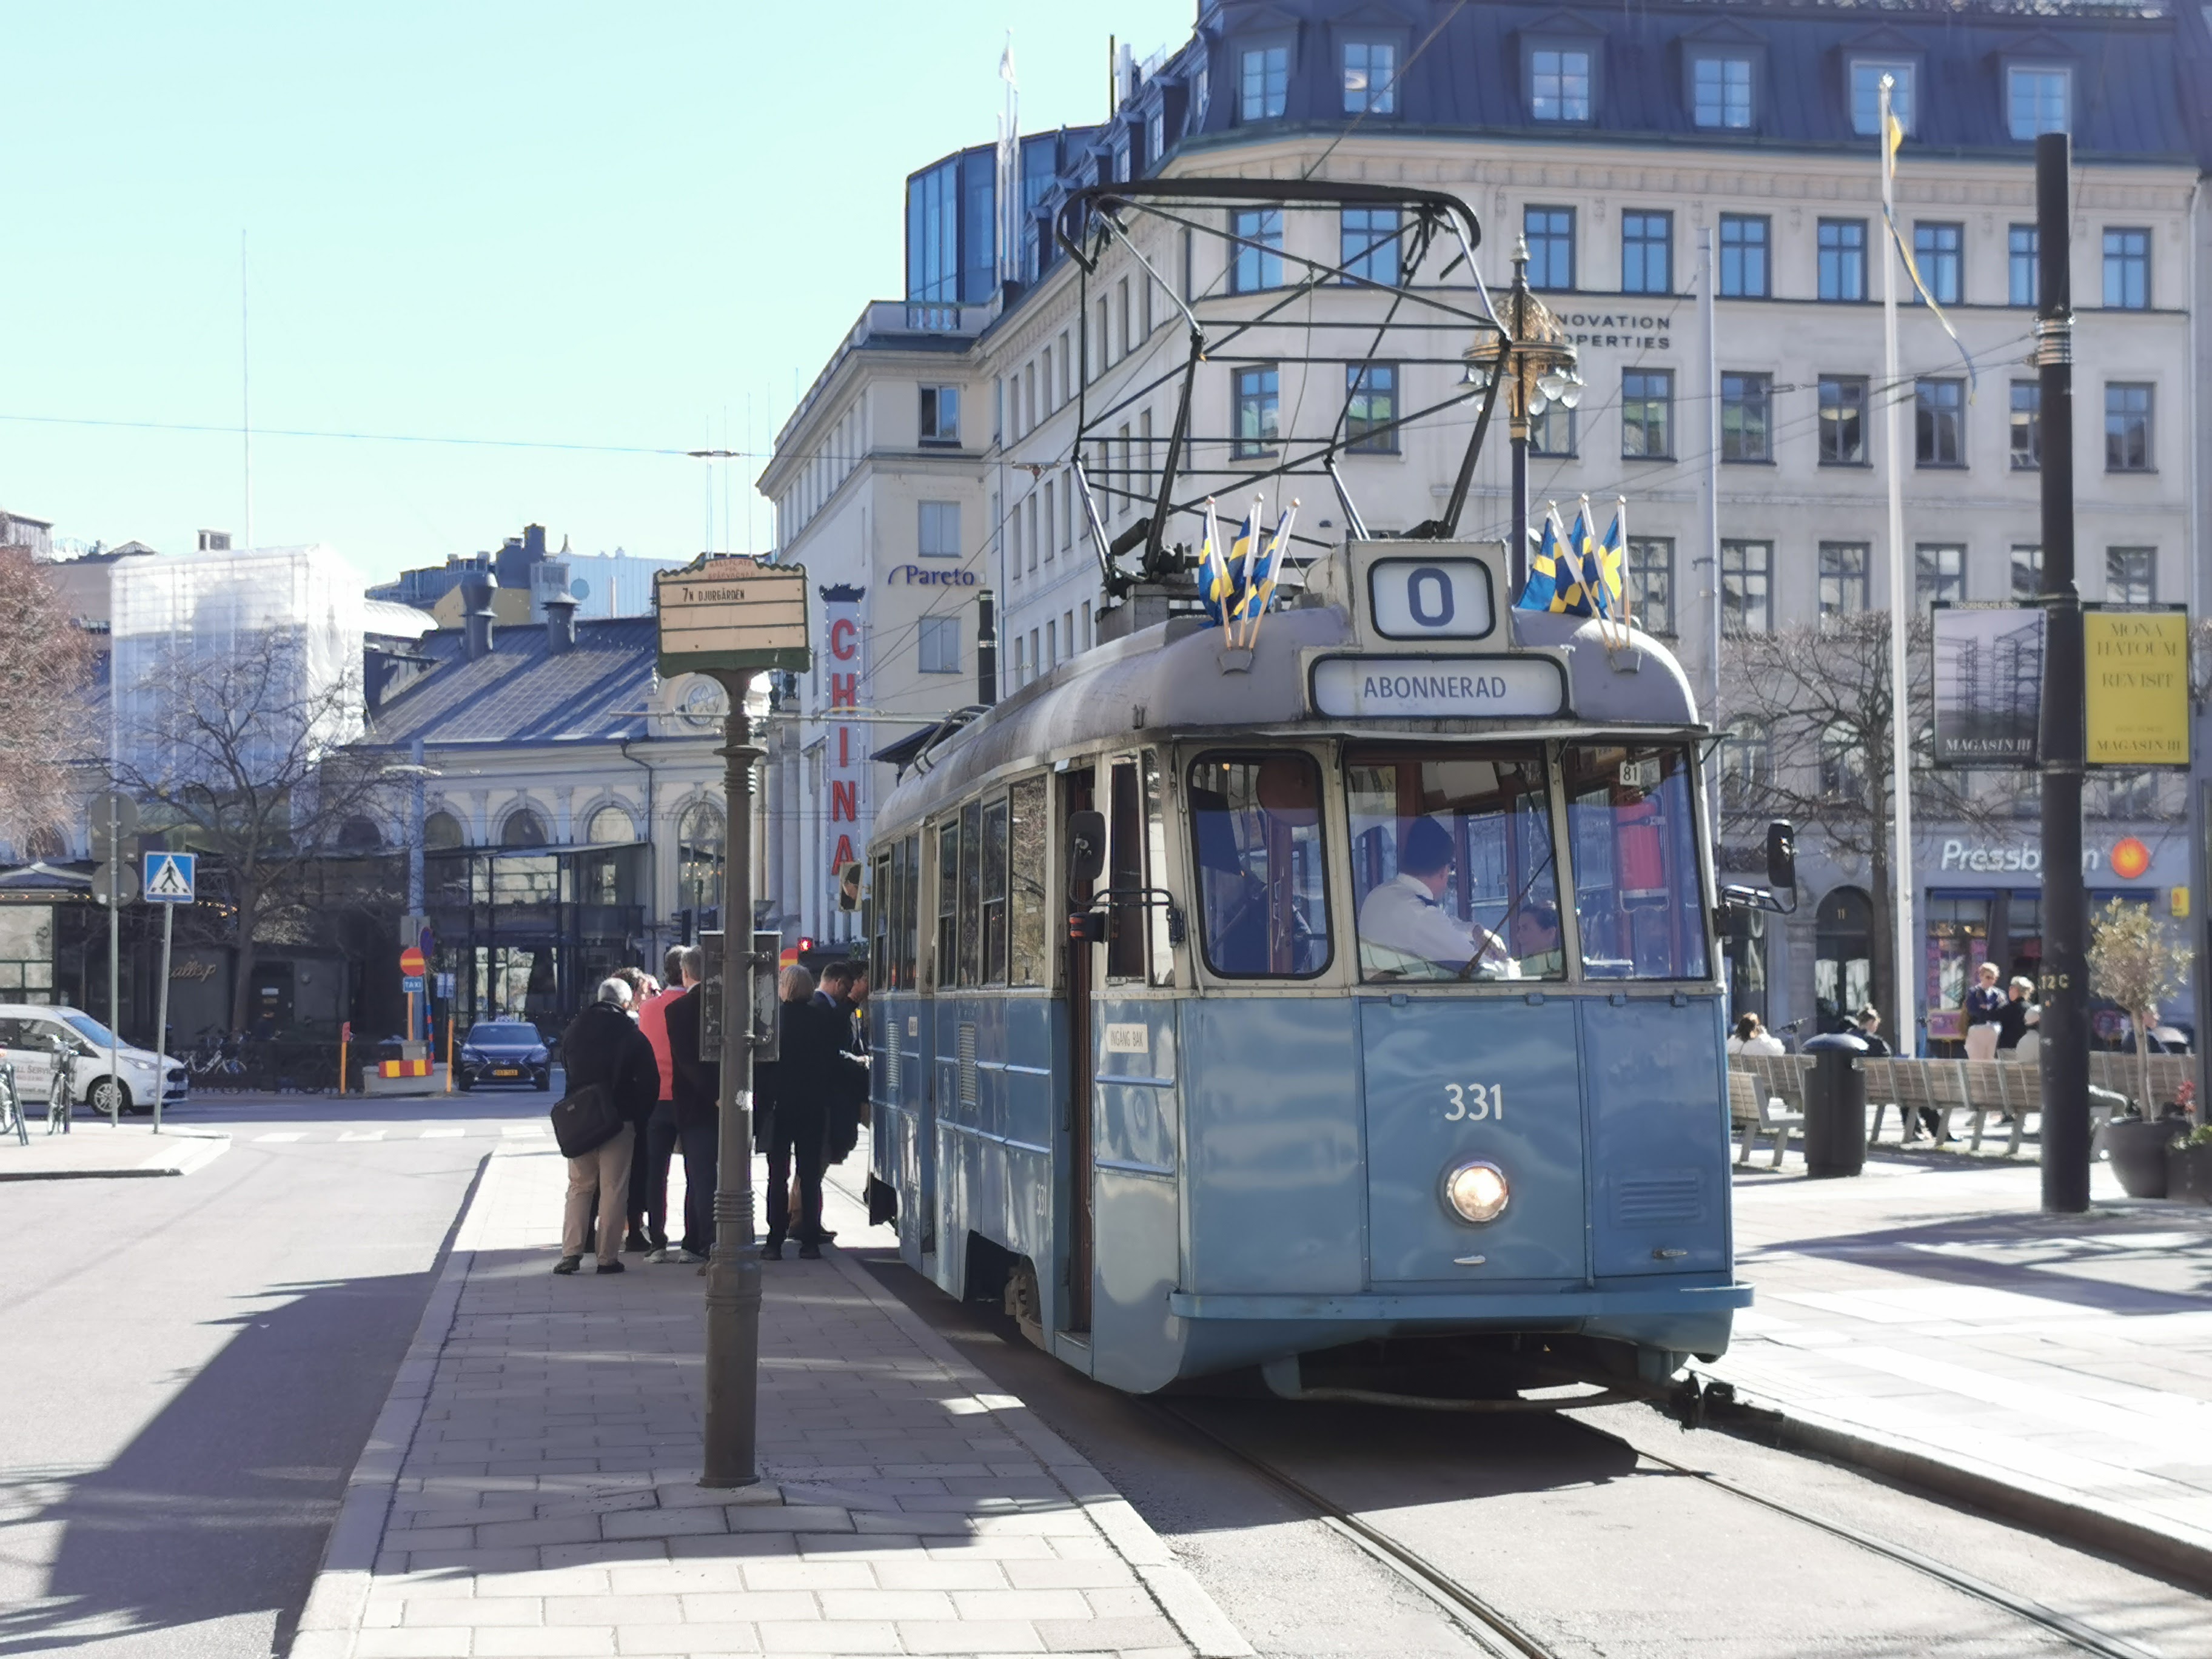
504	1051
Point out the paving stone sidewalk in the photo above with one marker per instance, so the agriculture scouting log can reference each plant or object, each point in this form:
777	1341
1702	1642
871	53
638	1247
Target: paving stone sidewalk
95	1149
531	1487
1928	1317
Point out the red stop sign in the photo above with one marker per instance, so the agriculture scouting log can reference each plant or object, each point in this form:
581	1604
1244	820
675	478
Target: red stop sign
411	962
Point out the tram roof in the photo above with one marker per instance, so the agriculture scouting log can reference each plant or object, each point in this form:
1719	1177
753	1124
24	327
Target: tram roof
1177	680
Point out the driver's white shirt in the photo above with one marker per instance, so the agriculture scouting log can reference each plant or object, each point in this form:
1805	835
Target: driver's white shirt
1401	914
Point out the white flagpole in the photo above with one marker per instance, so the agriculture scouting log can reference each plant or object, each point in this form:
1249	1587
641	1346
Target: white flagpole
1901	604
1628	588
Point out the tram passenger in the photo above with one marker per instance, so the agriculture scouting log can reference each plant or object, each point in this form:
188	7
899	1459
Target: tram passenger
1535	932
1406	915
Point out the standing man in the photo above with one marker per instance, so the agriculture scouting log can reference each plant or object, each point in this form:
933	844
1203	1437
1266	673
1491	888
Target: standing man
604	1046
694	1110
649	1187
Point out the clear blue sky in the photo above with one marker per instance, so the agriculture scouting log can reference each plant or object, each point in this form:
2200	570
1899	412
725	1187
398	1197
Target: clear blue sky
563	223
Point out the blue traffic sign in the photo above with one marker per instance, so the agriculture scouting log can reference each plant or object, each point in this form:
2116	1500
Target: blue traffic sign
169	877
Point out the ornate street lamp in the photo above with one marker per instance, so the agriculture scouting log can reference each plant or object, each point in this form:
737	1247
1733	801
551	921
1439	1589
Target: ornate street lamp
1538	362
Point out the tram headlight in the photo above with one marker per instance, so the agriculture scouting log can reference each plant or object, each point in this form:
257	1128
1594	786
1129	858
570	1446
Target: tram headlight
1477	1192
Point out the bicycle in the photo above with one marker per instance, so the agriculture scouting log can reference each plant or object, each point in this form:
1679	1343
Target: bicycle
11	1105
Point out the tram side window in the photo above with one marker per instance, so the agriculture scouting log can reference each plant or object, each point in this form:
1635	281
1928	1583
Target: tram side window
945	968
994	892
1256	831
1126	918
1155	860
906	920
1453	865
971	920
1634	844
1029	956
879	919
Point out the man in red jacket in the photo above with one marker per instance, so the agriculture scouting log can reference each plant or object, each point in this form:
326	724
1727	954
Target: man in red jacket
649	1187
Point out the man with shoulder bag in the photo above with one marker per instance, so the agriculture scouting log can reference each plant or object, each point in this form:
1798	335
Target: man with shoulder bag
613	1082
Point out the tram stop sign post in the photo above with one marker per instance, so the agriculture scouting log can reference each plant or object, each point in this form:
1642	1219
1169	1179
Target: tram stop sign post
732	618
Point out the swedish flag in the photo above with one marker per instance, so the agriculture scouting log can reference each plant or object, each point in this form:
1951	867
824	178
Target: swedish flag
1611	562
1217	584
1541	592
1578	594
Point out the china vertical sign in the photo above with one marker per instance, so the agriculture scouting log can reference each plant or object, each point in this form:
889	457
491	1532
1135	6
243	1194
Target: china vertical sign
845	755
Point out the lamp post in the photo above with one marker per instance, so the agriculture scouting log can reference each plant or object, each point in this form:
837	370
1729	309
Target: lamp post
1538	361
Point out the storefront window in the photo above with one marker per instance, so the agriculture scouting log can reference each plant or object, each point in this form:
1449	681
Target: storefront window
27	953
1843	957
699	858
1958	943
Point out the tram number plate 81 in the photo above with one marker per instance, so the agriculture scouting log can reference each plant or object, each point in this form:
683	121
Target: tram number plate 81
1472	1102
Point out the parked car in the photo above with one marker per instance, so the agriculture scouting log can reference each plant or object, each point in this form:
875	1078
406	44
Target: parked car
499	1051
30	1032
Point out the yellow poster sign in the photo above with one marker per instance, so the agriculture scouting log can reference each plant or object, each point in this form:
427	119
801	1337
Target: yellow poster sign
2138	686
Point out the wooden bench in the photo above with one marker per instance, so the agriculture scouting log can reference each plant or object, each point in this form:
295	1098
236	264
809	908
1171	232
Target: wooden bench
1755	1108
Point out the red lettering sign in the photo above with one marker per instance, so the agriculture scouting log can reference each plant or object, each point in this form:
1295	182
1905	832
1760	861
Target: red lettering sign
843	855
842	634
844	690
844	745
844	800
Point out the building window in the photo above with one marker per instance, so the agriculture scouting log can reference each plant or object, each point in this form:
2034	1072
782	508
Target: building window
939	530
1029	522
941	414
699	835
2027	572
1843	420
1937	250
1746	402
1264	83
1651	582
2026	418
940	639
1550	232
1258	406
1939	573
1156	136
1552	432
1258	261
2035	100
1647	246
1747	762
2127	429
2131	575
2023	277
1647	414
1559	83
1866	93
1371	408
1746	570
1720	92
1842	259
1370	77
1939	422
1744	240
2127	270
1843	578
1367	245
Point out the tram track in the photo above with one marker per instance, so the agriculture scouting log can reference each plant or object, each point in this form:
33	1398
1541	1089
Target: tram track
1496	1630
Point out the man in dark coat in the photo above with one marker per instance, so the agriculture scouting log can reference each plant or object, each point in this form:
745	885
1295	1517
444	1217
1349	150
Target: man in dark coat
604	1046
695	1111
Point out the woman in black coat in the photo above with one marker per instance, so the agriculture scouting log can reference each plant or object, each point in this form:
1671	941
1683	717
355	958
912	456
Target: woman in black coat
788	1113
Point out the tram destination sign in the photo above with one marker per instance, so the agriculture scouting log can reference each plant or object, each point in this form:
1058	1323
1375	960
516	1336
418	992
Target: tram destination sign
726	612
1438	688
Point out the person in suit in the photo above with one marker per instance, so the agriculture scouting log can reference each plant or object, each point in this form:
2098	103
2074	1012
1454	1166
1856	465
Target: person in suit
695	1113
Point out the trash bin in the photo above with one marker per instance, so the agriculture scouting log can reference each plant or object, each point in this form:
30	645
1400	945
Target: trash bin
1835	1106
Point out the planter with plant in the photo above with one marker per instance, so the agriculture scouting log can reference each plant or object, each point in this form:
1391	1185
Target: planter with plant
2188	1167
2135	964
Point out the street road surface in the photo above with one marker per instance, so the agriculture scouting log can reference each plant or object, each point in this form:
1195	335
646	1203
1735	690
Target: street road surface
192	1365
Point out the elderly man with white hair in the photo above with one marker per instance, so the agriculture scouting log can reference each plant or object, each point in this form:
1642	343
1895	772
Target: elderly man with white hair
604	1046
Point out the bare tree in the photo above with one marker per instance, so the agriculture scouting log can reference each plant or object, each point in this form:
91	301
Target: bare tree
1809	711
2134	961
46	664
239	753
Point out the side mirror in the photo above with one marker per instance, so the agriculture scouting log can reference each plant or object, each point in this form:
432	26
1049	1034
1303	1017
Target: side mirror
1781	856
1086	853
850	878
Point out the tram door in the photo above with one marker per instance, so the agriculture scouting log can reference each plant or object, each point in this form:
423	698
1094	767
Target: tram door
1076	796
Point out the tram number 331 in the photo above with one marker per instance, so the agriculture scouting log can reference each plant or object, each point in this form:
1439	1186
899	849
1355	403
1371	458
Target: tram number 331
1473	1101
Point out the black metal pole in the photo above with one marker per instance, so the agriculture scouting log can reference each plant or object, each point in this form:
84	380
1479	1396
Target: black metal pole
1517	418
1518	558
2064	988
987	649
733	1272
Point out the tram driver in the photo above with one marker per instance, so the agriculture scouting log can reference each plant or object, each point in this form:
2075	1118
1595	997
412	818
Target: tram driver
1404	917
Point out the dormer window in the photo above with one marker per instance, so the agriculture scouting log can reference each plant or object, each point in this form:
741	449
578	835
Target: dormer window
1720	91
1370	77
1263	82
1866	93
2038	99
1559	83
1156	135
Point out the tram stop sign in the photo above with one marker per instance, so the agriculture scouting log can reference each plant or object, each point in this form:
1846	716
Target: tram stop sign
722	612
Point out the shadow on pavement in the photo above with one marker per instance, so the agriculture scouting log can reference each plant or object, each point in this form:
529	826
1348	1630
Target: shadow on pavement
220	1506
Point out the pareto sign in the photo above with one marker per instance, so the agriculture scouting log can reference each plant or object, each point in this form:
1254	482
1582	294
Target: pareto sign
731	613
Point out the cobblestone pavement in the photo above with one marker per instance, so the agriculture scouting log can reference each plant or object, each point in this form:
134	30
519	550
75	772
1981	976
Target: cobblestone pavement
531	1487
1929	1308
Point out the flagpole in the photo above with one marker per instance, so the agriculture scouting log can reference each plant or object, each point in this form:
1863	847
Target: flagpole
1901	604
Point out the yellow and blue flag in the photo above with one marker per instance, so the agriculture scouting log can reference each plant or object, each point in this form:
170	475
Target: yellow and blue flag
1216	584
1540	592
1260	584
1611	563
1577	594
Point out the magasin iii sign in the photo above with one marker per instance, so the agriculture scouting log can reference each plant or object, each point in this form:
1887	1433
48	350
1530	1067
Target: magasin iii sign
2137	687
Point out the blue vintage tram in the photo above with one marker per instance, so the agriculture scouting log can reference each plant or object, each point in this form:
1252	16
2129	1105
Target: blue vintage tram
1346	1007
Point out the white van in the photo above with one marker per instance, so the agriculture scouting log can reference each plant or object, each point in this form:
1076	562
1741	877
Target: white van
28	1032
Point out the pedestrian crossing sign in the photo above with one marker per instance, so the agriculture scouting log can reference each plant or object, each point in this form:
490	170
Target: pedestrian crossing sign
169	877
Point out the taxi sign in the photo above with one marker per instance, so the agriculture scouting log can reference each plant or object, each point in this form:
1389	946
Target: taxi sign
412	963
723	611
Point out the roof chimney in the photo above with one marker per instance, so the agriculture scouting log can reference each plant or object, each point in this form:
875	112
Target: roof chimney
560	623
477	615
